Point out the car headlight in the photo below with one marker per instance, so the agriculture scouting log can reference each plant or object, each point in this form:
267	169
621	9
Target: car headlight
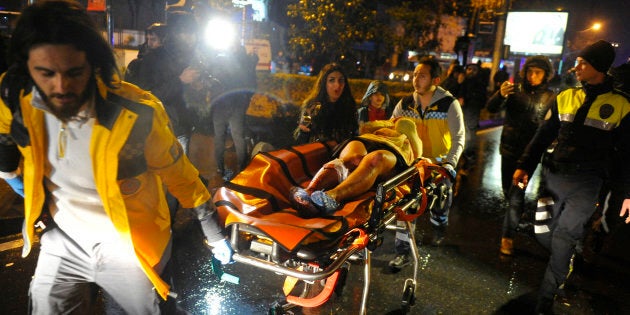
391	76
406	77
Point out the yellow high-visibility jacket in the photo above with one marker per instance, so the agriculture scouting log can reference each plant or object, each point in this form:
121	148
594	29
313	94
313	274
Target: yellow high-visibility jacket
134	153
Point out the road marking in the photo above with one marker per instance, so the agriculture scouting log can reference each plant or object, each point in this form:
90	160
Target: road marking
11	245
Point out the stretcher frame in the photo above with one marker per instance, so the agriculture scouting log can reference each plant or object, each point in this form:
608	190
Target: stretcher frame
256	248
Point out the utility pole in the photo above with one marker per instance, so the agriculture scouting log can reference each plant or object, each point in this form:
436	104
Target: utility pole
110	22
471	35
497	53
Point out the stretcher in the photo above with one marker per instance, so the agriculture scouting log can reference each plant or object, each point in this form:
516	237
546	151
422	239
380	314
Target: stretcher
267	233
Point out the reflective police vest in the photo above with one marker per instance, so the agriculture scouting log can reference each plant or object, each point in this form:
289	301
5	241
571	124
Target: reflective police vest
586	139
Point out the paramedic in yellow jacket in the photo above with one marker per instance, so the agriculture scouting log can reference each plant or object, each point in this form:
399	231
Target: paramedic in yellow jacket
440	123
95	155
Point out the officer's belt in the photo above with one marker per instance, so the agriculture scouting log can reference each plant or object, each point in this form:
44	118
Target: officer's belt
575	167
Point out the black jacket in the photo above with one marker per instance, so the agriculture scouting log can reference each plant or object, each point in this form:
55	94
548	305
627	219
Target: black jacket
524	112
589	124
159	72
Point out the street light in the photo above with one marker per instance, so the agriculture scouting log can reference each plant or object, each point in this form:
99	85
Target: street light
581	39
595	27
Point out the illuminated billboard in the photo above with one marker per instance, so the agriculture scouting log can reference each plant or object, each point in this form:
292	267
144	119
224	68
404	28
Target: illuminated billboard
535	33
258	7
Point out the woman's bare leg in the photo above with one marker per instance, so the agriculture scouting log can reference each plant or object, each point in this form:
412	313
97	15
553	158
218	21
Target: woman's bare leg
329	175
373	165
353	153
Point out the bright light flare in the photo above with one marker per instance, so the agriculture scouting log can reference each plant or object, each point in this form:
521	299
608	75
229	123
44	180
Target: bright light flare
220	34
215	302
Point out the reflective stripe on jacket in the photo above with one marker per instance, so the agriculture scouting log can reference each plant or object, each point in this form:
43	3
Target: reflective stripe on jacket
432	125
587	142
590	139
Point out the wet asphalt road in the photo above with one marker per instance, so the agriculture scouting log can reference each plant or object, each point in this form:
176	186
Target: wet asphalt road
464	276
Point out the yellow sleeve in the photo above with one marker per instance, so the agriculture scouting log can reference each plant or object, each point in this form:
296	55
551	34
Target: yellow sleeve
165	156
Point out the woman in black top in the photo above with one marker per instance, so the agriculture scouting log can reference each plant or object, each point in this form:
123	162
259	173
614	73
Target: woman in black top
330	111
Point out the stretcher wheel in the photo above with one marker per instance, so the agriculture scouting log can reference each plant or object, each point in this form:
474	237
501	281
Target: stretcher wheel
280	308
341	281
409	297
276	309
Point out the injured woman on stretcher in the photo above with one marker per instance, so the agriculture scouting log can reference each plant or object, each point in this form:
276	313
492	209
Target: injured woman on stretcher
382	149
304	211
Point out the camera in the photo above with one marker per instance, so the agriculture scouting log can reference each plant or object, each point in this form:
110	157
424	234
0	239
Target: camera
307	118
518	88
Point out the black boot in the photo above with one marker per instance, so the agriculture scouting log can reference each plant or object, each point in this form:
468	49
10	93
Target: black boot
439	232
544	306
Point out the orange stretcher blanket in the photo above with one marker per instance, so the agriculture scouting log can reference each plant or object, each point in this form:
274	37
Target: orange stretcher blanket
258	196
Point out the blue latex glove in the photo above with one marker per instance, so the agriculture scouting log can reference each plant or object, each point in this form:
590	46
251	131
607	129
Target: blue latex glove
224	276
222	251
17	185
450	169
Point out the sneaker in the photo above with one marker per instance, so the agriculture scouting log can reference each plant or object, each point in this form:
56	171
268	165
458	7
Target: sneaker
507	246
301	201
399	262
228	174
326	204
439	232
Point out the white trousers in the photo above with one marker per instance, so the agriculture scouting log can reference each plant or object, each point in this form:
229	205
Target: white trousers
65	274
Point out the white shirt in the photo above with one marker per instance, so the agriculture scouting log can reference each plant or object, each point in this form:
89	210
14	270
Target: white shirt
74	203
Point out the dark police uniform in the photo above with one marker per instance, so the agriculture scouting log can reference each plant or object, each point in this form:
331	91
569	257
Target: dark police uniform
589	124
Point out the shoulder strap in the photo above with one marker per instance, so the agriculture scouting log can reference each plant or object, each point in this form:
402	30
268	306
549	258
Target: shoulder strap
407	102
363	114
444	101
12	84
10	88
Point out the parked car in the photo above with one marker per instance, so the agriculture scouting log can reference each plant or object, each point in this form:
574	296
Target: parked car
400	75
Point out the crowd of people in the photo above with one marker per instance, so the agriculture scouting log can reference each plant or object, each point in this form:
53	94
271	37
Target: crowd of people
104	160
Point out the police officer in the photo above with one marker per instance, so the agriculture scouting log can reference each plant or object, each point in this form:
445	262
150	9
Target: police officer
588	123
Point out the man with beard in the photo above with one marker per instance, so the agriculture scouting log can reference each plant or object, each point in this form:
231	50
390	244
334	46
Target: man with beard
91	153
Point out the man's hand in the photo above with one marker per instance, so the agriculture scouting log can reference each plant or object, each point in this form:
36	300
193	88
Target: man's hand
506	89
189	75
207	216
222	251
451	170
520	178
304	128
17	185
625	209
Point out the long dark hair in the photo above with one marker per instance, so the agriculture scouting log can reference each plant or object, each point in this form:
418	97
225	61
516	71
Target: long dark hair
318	92
336	120
62	22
